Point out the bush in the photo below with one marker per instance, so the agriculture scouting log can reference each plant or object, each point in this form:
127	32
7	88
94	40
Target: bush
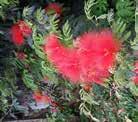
57	64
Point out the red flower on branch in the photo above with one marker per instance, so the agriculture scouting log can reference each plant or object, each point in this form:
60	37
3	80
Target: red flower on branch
17	36
101	47
55	7
65	59
39	98
19	31
90	60
97	54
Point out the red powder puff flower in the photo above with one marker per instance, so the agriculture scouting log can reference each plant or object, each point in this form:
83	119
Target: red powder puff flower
97	53
65	59
17	36
39	98
19	31
100	47
90	60
54	7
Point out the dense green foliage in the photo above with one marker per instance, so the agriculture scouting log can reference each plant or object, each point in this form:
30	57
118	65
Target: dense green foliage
115	101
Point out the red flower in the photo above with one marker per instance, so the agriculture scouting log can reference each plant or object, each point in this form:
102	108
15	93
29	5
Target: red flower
101	47
93	74
65	59
90	60
54	7
17	36
97	52
19	31
39	98
135	78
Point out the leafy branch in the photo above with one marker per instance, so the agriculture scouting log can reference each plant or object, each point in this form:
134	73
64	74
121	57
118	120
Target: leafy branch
119	28
53	21
66	36
125	10
87	100
29	81
88	8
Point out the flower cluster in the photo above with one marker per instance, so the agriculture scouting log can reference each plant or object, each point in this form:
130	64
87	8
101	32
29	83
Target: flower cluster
65	59
91	59
97	54
18	31
40	98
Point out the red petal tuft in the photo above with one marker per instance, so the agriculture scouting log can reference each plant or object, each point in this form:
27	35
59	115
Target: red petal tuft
39	98
54	7
17	36
19	31
97	52
64	59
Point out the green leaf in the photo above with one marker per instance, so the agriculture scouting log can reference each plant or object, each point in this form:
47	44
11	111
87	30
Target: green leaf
127	14
66	36
53	21
88	8
49	71
120	30
28	80
94	8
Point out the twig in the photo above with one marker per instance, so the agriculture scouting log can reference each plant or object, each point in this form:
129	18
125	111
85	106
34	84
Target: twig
93	118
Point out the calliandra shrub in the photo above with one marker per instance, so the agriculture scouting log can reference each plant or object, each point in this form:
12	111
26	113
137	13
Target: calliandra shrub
90	61
99	65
